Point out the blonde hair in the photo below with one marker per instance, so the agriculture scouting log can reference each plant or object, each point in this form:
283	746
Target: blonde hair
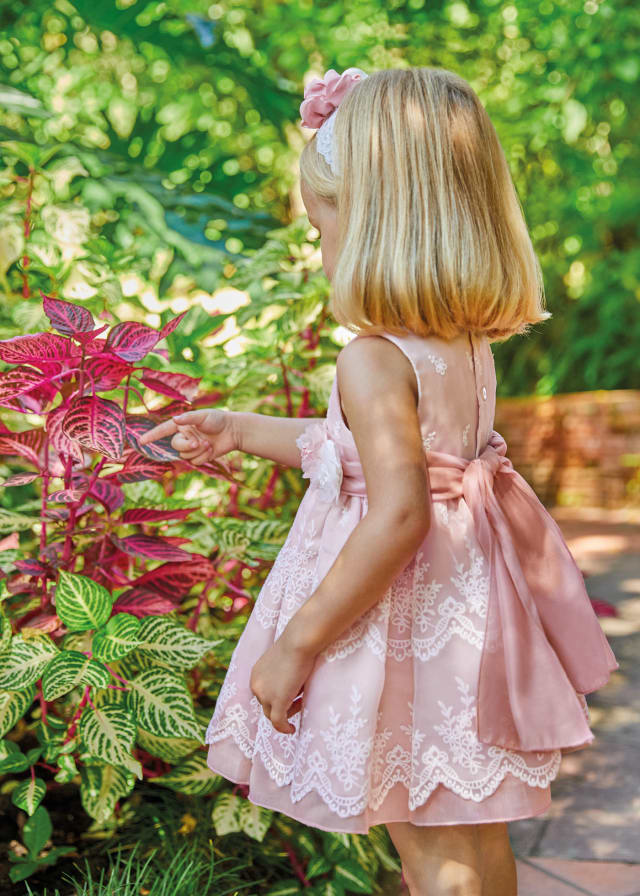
431	234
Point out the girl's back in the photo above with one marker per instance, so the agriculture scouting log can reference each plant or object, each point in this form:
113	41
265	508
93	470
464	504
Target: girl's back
457	390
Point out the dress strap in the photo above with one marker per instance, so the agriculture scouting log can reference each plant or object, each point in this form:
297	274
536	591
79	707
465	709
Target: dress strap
404	344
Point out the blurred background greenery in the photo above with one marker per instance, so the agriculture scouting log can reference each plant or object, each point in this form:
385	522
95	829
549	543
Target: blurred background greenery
149	165
154	145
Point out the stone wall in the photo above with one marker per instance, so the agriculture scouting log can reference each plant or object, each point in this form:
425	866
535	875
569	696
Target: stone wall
578	449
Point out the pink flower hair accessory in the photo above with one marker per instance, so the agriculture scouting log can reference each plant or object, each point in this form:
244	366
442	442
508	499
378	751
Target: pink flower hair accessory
322	96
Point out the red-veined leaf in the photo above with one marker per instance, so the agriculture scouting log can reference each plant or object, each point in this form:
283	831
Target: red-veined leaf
19	479
40	399
106	370
44	622
141	602
62	513
175	385
27	444
19	380
170	326
151	546
67	317
35	347
67	495
90	338
10	542
131	341
58	439
177	406
160	450
31	567
177	579
136	467
108	493
153	515
96	423
95	345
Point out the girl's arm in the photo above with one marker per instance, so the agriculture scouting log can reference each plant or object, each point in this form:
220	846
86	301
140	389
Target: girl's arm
271	437
203	435
379	393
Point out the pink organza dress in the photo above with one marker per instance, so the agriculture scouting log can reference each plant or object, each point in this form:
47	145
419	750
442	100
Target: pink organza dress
451	700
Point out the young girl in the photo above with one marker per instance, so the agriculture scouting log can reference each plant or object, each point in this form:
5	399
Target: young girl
419	652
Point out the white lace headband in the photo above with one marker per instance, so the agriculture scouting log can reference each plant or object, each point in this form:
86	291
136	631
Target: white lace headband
322	96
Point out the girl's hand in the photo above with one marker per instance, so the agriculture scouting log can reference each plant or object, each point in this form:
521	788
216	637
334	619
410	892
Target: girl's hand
277	679
199	436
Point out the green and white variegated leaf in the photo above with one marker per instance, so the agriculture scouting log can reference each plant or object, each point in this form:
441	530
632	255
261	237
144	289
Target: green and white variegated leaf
225	813
254	820
117	638
137	661
68	769
108	733
246	539
8	559
26	660
81	603
8	748
363	854
13	705
76	641
5	632
192	776
11	522
336	846
101	786
171	749
317	865
162	704
170	642
380	844
353	877
71	669
14	761
29	794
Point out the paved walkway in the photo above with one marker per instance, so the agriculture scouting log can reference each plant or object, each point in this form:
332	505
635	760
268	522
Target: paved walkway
589	840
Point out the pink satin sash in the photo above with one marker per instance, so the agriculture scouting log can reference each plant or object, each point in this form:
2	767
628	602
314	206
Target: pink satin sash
543	643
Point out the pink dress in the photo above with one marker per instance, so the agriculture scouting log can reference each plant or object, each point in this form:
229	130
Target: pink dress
450	700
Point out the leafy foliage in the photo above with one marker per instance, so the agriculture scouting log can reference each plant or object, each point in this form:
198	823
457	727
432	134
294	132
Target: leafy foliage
148	162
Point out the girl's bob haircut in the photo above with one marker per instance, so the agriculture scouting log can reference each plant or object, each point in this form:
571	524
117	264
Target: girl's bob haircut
431	234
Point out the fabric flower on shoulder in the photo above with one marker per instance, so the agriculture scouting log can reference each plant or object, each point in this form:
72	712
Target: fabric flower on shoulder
320	460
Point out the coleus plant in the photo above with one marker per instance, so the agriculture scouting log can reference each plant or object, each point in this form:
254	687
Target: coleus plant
88	621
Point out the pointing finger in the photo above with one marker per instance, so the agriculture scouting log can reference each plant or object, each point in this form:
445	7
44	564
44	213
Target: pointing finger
168	428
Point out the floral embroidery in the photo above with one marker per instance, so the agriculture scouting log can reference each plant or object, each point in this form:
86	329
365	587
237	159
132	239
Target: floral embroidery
349	755
428	440
467	754
291	579
438	362
457	733
441	511
367	765
465	435
471	584
320	460
436	620
469	359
